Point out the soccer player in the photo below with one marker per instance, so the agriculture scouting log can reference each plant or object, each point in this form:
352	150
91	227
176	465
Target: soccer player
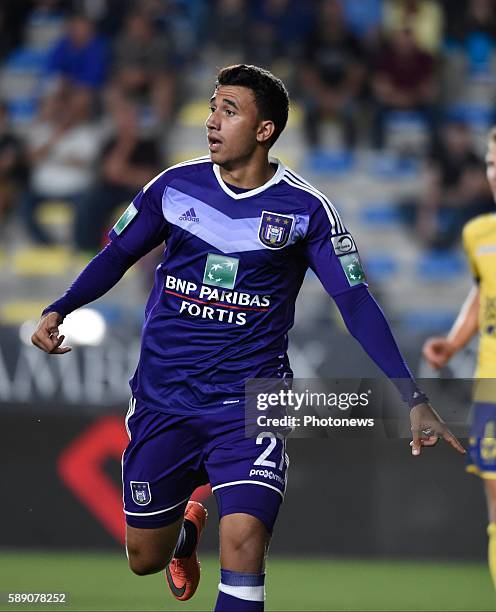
240	231
478	315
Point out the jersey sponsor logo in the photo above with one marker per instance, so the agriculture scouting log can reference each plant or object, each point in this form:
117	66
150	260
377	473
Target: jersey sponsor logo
140	492
275	229
343	244
189	215
220	271
125	219
213	303
352	267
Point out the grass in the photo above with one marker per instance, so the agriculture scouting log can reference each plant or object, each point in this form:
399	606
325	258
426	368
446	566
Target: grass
103	582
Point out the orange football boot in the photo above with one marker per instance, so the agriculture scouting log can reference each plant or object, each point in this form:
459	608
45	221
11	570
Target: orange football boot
183	575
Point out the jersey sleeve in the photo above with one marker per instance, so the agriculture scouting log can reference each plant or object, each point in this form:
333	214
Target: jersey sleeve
331	252
142	226
468	247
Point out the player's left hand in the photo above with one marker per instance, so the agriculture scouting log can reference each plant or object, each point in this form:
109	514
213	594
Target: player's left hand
428	427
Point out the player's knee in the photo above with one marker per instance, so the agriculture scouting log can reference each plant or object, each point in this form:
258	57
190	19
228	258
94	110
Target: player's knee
144	567
142	564
244	546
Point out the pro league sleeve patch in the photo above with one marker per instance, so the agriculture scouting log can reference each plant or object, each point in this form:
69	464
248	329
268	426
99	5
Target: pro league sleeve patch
345	248
343	244
125	219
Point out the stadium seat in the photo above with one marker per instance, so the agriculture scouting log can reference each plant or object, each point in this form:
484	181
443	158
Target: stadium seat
440	266
22	110
380	214
477	116
18	311
406	131
55	212
380	266
428	321
393	167
41	261
329	162
27	59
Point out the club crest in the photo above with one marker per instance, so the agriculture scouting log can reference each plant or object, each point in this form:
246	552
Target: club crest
275	229
141	493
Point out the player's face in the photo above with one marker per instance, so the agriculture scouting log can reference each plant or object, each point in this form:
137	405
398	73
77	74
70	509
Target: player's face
233	125
491	168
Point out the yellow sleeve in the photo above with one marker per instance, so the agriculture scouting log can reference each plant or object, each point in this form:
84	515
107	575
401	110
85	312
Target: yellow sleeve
469	248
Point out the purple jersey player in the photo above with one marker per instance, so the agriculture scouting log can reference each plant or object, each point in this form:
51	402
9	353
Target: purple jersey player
241	230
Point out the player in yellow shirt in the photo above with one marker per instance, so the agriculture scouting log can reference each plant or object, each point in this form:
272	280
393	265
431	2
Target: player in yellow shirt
478	315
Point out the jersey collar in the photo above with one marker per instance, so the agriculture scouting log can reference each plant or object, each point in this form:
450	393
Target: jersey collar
248	194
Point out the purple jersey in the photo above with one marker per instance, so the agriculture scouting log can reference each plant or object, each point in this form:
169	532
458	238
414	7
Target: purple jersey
224	295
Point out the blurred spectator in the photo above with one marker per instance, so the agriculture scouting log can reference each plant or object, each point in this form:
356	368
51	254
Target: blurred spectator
12	166
185	21
62	149
143	67
403	80
456	189
333	74
277	31
425	19
12	17
473	34
364	18
80	58
231	28
128	161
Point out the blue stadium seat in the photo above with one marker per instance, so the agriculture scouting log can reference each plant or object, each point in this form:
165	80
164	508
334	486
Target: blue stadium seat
380	266
428	321
477	116
330	162
380	214
439	266
391	166
27	59
22	110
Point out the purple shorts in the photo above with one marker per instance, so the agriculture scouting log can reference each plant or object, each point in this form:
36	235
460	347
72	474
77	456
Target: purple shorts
170	455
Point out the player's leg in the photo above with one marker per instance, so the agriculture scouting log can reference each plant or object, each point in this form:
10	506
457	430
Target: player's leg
490	488
150	550
481	458
160	470
244	542
248	513
248	478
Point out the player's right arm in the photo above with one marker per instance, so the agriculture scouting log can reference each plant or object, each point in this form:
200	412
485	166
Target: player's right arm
139	230
439	350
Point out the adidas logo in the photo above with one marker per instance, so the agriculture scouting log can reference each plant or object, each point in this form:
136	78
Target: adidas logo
189	215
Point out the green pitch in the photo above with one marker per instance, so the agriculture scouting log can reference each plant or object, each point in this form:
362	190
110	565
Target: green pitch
103	582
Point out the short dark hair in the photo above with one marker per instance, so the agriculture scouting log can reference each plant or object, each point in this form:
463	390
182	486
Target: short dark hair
271	95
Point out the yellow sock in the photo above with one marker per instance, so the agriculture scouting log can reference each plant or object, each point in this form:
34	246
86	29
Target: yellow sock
491	550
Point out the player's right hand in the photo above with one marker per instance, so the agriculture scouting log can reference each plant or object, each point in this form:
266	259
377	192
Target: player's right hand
437	352
46	337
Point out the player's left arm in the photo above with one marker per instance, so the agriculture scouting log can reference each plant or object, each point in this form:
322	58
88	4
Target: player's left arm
332	254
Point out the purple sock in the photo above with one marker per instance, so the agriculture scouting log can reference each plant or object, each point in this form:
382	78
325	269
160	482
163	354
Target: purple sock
240	592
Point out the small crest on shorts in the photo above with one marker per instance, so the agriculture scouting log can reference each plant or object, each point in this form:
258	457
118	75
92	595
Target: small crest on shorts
141	492
275	229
